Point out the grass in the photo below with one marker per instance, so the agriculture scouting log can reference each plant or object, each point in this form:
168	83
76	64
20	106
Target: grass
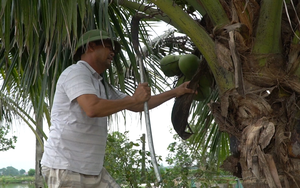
16	179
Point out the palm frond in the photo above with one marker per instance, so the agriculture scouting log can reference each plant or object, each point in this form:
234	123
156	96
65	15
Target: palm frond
38	38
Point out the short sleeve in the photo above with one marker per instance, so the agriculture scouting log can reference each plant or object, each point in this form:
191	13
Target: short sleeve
76	82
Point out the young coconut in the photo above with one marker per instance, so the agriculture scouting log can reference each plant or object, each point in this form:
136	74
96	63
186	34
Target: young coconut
203	93
181	80
188	65
204	89
169	65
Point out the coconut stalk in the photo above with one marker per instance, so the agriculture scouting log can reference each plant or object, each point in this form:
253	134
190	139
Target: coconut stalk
268	32
215	12
197	5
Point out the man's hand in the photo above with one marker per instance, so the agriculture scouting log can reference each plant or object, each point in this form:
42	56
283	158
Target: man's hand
142	93
182	89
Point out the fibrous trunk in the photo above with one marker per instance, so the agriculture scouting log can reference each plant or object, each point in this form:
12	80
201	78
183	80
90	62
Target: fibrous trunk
265	138
261	113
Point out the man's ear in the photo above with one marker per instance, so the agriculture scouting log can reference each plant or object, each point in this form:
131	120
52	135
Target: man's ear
91	46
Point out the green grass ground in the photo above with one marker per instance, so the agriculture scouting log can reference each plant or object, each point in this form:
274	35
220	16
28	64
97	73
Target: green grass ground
16	179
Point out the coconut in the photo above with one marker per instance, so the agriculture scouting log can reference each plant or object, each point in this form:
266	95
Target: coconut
169	65
206	80
188	65
181	80
204	89
203	93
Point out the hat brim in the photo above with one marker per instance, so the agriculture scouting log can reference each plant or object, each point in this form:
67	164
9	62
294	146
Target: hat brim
77	53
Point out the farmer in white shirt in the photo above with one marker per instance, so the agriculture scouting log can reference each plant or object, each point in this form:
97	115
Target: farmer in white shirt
74	152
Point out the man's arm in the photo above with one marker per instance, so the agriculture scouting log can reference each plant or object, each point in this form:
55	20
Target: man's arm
157	100
97	107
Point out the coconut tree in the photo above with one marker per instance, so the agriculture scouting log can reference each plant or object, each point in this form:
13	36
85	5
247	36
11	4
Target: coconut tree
24	102
250	47
37	40
252	50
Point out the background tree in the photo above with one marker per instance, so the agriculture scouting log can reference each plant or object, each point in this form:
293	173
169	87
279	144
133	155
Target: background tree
31	172
124	160
6	143
10	171
187	166
181	159
22	172
2	170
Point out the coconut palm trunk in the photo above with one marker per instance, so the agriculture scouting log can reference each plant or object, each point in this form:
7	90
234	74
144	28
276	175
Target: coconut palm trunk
39	181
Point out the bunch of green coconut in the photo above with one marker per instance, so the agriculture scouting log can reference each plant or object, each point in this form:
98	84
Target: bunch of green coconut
185	66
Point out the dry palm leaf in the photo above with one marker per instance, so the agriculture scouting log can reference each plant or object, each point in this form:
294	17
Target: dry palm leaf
181	108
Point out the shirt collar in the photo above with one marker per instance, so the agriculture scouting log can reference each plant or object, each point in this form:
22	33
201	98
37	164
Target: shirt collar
88	66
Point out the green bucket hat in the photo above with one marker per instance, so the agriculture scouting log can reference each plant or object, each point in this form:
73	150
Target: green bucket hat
94	35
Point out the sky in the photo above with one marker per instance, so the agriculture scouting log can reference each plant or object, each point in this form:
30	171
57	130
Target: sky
23	156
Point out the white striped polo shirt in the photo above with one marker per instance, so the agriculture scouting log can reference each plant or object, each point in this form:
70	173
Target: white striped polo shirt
77	142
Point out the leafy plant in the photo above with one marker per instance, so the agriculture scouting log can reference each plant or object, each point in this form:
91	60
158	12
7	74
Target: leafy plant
189	166
6	143
124	160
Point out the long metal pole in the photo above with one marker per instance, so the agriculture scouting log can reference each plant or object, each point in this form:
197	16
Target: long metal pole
134	31
148	126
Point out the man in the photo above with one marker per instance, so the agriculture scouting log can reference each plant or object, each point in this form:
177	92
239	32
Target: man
74	152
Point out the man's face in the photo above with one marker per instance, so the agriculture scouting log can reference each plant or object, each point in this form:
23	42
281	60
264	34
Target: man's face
104	53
